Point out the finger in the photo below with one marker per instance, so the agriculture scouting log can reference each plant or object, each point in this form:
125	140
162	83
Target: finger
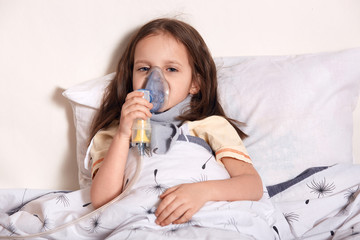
177	214
137	100
169	213
163	204
168	191
132	117
129	110
185	217
134	94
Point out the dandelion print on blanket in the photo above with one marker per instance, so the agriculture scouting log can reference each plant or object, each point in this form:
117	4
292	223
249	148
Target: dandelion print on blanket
321	188
95	225
350	194
157	188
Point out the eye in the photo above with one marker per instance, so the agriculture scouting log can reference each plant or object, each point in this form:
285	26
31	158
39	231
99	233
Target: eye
171	69
144	69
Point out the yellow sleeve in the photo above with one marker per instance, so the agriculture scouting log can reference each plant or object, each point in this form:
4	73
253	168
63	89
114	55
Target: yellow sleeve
101	144
221	136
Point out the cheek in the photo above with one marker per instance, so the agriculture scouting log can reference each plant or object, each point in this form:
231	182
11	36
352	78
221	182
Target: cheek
178	91
138	82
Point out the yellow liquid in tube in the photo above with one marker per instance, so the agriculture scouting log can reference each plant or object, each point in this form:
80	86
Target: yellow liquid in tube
141	131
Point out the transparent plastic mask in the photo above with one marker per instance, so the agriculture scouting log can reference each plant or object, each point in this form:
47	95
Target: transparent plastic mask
159	89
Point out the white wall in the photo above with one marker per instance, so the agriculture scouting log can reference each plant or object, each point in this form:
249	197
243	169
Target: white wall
49	45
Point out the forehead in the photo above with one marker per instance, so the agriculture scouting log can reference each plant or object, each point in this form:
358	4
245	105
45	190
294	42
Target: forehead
161	46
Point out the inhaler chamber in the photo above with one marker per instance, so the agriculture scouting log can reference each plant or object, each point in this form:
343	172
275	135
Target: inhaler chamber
141	130
159	89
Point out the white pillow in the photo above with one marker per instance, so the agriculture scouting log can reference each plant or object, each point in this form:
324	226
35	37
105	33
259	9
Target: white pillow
85	99
298	109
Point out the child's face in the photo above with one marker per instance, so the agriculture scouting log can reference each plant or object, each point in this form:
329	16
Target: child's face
164	51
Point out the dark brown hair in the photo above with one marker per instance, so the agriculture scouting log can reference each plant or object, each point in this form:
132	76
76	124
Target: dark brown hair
203	104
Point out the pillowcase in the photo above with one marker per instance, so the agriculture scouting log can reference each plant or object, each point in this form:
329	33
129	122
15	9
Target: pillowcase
85	99
298	109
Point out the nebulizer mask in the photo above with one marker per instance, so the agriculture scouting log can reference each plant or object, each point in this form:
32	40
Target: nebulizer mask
157	92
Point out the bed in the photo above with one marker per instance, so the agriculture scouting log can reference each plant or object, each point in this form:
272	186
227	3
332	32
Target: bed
302	115
299	114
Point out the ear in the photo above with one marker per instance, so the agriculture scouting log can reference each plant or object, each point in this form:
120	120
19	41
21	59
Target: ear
195	85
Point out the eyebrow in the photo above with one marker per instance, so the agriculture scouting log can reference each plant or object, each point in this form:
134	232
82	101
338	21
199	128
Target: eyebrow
141	61
166	62
174	62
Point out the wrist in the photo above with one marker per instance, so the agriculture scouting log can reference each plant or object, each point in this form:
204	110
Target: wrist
215	190
119	136
207	190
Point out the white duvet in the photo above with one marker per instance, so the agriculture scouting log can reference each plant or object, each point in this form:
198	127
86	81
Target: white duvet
323	204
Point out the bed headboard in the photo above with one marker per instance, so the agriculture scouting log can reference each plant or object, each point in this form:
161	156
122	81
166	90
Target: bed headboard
48	46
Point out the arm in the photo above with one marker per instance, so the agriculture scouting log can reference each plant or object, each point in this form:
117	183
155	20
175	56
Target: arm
181	202
108	181
244	184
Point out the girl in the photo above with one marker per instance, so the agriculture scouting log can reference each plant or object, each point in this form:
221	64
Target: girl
181	53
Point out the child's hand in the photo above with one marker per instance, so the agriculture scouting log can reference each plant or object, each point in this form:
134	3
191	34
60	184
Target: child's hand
180	203
134	107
